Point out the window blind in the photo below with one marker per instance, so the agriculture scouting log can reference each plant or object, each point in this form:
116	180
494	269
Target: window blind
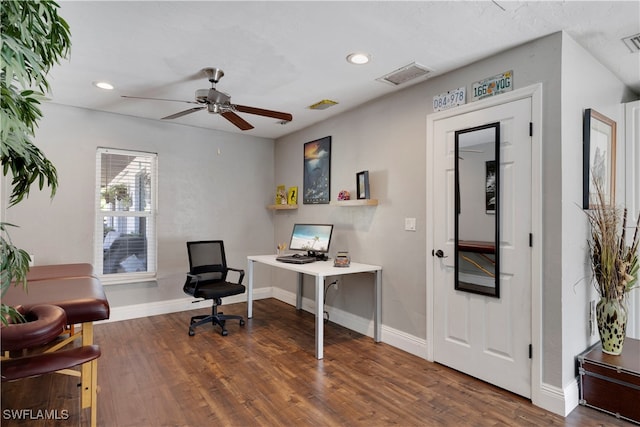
125	235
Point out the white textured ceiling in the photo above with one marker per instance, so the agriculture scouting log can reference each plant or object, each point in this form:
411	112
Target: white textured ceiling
288	55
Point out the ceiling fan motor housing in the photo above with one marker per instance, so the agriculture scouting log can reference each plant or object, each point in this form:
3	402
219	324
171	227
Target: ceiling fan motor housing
201	95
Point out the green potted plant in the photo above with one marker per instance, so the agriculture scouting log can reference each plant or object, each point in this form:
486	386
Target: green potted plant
34	38
615	265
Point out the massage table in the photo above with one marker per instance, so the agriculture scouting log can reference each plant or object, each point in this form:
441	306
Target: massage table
81	296
60	271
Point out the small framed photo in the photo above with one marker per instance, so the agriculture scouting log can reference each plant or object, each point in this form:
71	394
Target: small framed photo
599	158
292	196
490	187
362	185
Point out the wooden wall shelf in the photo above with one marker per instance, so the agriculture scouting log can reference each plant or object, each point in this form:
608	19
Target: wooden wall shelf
282	207
356	202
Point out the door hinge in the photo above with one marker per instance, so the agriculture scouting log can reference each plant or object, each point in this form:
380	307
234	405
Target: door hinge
530	351
530	240
530	128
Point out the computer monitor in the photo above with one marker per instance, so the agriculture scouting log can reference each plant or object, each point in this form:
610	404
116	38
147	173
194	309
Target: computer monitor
313	238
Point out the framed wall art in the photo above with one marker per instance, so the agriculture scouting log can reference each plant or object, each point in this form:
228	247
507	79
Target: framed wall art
362	185
599	158
490	186
317	171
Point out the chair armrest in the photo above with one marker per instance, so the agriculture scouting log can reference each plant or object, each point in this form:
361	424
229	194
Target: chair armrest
237	270
197	277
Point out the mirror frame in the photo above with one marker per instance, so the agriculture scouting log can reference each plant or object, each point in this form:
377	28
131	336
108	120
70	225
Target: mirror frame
495	291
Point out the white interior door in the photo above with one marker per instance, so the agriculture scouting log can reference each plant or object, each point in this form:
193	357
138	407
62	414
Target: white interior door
483	336
632	202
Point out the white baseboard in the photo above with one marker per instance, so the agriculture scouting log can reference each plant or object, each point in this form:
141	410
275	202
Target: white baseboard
391	336
136	311
557	400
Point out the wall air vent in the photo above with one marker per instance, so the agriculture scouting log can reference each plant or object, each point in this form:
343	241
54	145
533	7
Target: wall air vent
633	43
405	74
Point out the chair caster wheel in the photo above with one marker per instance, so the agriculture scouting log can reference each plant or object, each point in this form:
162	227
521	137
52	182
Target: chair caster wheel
224	333
241	322
191	332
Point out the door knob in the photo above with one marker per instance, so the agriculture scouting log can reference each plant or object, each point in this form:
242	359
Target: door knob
439	253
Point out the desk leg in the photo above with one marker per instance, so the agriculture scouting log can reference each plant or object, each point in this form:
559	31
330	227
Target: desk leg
377	315
299	292
319	316
250	290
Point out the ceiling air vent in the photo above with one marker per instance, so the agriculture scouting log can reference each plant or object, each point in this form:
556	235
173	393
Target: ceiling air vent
632	42
405	74
322	105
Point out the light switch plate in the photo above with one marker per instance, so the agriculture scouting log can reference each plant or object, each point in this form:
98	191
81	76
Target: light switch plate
410	224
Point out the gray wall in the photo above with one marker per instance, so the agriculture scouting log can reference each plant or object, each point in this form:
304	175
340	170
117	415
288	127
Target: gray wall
387	137
202	194
585	84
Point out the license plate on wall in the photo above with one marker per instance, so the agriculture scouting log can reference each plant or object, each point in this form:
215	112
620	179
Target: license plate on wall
450	99
492	86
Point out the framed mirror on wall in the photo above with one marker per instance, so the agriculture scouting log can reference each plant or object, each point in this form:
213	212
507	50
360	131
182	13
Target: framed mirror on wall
477	219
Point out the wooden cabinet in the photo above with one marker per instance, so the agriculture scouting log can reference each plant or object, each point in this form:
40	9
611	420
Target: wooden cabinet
612	383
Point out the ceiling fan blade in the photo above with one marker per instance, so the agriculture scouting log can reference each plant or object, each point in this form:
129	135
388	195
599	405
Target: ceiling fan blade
183	113
262	112
159	99
237	120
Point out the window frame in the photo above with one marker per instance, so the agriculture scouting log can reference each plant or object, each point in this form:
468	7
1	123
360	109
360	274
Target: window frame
151	215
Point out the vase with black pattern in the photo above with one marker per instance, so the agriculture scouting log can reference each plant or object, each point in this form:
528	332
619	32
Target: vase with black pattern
612	324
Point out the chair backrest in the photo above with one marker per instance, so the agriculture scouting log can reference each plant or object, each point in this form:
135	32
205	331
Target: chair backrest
207	259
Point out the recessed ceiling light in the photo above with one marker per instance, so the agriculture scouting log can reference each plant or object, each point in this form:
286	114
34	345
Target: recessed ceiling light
103	85
358	58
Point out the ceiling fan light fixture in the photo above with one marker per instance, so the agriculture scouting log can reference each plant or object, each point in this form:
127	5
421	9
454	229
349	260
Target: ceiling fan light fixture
103	85
358	58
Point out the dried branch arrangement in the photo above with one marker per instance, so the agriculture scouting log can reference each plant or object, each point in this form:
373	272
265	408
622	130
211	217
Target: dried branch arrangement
614	263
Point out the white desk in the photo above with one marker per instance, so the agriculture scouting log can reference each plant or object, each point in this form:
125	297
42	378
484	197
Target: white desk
320	270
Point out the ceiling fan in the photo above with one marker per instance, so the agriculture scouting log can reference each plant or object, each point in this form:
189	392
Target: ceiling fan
217	102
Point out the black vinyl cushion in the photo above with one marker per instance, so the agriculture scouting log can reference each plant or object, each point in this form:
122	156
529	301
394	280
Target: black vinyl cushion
213	290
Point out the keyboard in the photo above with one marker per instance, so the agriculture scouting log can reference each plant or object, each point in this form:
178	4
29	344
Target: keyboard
296	259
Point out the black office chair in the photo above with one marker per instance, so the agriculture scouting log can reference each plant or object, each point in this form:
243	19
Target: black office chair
207	279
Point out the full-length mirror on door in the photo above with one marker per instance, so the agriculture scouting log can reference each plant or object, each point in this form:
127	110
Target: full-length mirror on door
477	210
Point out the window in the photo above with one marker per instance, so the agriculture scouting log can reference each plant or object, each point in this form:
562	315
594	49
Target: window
125	234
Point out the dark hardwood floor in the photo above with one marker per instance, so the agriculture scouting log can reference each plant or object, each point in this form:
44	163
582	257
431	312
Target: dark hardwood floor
152	373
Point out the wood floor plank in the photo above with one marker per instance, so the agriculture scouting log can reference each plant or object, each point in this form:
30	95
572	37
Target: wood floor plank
151	373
